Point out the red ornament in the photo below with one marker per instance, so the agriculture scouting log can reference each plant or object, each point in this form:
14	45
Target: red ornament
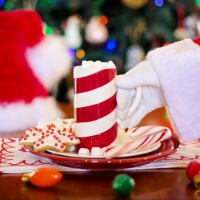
192	169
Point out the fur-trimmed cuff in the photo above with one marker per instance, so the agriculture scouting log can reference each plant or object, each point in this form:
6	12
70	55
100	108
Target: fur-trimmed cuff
19	115
178	69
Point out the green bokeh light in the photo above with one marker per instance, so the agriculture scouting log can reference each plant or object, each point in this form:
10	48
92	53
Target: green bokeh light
8	5
197	2
47	30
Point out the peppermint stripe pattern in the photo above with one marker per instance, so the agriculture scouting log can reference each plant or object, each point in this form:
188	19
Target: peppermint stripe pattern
148	135
145	130
94	81
95	105
99	110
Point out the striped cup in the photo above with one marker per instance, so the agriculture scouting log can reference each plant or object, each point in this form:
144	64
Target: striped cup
95	104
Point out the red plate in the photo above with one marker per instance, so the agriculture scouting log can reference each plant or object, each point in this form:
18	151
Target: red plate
167	147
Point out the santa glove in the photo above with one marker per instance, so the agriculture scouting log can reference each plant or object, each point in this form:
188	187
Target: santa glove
145	76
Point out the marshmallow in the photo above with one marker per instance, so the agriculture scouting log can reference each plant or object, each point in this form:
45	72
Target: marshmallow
96	151
97	64
83	151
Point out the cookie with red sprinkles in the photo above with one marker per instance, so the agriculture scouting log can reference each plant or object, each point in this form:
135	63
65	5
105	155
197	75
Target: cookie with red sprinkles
57	136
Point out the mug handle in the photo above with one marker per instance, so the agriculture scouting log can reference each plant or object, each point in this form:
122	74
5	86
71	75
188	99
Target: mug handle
136	102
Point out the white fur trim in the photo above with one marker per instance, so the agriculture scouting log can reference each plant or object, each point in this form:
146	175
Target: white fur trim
19	116
178	69
49	60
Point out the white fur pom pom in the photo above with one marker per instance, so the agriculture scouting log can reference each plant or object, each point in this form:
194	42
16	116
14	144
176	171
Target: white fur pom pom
49	60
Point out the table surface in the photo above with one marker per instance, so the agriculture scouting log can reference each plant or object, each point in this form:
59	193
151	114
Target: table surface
150	184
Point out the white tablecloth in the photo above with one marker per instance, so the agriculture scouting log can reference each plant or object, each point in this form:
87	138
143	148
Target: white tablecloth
15	159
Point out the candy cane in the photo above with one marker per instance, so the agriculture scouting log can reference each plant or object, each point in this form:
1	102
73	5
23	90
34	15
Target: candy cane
144	130
134	143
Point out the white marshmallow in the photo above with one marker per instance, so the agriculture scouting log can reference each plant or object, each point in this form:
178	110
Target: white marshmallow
83	151
96	151
110	64
91	63
71	148
97	65
85	64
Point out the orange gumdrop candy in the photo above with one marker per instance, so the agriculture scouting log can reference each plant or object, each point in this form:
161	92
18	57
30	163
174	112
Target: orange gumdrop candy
45	177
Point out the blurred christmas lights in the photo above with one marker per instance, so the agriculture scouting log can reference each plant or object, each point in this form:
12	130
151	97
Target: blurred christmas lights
71	52
165	44
197	2
47	30
8	5
159	2
111	44
103	20
1	2
80	53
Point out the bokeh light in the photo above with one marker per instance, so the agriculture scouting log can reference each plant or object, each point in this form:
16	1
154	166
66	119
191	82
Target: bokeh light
80	53
165	44
111	44
47	30
1	2
197	2
159	2
71	52
103	20
8	5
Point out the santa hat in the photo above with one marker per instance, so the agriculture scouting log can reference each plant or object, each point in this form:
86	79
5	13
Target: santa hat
31	64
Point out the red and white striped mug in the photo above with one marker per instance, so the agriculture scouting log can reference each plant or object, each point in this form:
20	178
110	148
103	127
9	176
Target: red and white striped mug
95	104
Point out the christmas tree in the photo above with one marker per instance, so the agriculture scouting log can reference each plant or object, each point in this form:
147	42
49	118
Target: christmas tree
119	30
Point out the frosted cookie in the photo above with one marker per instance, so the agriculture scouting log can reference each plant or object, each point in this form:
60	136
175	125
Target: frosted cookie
67	122
57	135
59	123
57	141
32	134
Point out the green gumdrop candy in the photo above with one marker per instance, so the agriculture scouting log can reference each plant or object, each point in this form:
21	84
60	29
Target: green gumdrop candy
123	184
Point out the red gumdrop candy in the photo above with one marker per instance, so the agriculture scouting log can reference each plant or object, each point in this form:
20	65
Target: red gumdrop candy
192	169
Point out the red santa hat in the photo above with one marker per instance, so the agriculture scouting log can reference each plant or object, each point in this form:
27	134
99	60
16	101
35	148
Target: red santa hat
31	64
